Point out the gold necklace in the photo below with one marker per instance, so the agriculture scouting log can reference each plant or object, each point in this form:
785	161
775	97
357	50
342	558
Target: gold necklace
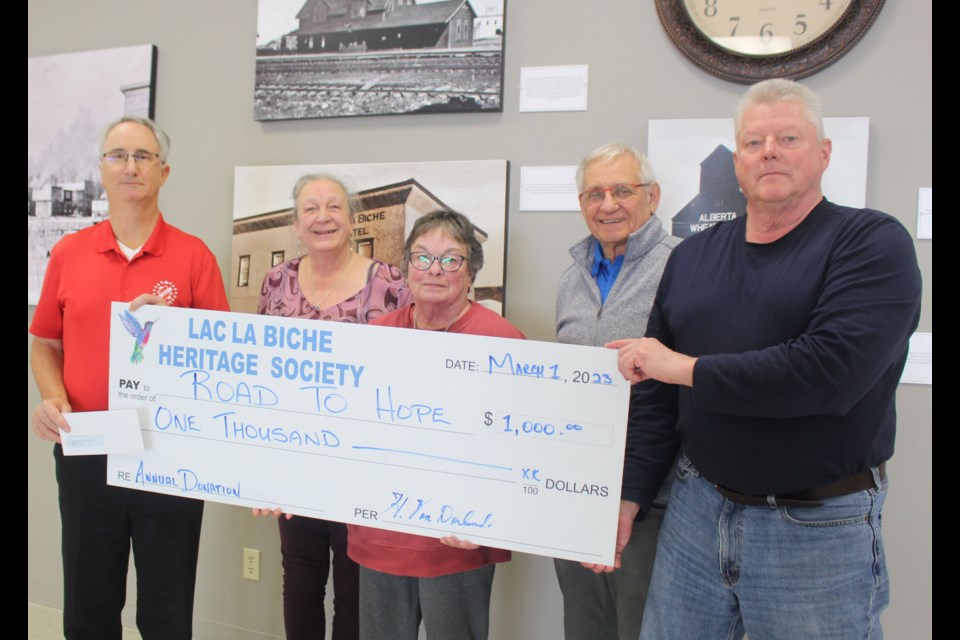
343	270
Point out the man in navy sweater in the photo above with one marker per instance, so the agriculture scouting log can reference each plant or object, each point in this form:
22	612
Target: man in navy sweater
771	360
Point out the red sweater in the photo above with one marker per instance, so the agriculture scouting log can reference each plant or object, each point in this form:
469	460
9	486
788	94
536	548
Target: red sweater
404	554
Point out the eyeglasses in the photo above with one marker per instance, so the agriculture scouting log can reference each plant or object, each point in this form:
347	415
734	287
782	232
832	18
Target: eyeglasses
620	192
423	261
142	158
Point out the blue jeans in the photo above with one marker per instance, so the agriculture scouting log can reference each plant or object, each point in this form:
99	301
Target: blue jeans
724	569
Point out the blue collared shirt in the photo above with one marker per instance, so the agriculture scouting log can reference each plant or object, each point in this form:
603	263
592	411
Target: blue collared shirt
605	271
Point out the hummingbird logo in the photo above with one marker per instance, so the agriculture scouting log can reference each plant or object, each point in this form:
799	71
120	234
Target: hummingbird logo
142	334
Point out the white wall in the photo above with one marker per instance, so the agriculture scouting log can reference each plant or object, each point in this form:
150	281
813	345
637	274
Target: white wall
204	100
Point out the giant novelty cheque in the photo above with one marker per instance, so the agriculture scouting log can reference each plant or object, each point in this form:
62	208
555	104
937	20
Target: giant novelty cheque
514	444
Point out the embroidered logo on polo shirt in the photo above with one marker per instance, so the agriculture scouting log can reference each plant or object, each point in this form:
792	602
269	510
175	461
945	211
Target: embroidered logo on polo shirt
166	290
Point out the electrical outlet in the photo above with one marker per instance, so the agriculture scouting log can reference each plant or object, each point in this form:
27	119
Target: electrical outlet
251	564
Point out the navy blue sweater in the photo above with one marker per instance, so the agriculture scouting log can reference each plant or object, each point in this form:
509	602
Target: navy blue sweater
801	344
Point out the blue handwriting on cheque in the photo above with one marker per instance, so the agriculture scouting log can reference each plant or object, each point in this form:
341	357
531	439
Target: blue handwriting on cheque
523	368
186	480
236	428
420	510
507	364
417	413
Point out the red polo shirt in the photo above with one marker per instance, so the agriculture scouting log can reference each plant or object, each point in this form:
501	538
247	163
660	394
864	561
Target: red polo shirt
87	271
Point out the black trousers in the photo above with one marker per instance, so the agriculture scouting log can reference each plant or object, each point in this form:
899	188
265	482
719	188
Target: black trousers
99	525
306	545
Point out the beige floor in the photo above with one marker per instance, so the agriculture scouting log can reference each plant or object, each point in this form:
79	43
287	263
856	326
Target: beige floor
46	623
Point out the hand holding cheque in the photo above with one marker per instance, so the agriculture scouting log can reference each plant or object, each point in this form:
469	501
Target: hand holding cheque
647	359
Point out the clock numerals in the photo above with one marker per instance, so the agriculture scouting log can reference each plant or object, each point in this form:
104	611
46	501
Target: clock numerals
769	28
801	26
736	23
766	32
766	29
749	40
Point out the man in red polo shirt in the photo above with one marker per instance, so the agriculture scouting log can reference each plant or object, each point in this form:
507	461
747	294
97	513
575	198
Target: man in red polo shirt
132	256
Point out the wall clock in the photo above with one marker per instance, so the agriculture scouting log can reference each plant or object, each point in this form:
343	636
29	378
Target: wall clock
751	40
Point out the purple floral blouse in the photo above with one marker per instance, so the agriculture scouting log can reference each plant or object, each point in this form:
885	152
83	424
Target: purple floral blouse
385	291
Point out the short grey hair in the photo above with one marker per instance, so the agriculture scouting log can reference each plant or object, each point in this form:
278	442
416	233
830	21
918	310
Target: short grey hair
612	151
316	177
454	224
163	140
777	90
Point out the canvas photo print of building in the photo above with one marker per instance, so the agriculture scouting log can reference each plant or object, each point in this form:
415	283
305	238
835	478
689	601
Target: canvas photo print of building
695	168
387	200
339	58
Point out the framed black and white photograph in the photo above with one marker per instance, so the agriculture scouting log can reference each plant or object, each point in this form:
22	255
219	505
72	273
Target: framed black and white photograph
387	199
70	97
339	58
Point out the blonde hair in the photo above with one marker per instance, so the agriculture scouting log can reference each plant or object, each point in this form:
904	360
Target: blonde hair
781	90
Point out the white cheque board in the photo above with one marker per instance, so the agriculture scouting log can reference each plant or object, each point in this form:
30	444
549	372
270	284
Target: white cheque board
508	443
